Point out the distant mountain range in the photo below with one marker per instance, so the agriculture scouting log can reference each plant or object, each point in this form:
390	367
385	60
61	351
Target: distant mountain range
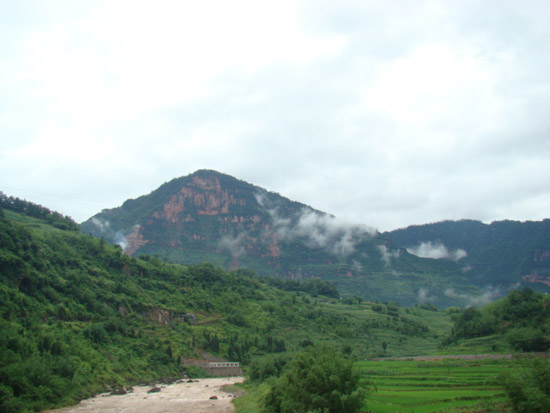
213	217
501	254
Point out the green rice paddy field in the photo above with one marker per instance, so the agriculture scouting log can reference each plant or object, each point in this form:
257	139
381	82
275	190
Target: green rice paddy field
436	385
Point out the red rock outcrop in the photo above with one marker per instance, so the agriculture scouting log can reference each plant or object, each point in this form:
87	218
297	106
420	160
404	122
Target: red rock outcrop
536	279
134	241
208	199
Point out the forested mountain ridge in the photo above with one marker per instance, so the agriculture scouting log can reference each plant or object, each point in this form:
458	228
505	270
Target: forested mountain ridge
210	216
500	254
79	316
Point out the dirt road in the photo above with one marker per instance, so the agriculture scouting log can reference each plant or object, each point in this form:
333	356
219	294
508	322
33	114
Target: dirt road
465	357
181	397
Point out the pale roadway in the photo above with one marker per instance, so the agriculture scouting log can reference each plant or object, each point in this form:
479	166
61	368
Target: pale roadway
180	397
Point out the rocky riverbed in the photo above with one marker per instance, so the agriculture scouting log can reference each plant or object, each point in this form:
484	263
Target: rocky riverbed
185	396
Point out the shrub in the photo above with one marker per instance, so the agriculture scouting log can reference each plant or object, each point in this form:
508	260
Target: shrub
269	366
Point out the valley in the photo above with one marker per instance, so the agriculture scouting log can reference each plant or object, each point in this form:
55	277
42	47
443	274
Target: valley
81	313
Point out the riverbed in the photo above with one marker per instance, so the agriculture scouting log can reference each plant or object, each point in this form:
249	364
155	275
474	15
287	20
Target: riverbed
201	395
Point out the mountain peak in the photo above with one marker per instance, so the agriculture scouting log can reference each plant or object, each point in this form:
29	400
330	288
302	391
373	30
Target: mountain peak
209	216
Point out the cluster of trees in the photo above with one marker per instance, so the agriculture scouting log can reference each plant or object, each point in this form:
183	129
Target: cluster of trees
242	348
37	211
313	286
522	317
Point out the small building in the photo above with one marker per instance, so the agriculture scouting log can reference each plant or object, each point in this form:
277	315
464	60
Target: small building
217	368
224	364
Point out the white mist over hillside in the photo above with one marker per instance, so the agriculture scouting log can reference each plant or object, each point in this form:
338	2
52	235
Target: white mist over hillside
317	229
436	250
115	237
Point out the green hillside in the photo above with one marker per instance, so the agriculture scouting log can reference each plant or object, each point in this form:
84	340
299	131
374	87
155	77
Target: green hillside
503	254
519	322
78	315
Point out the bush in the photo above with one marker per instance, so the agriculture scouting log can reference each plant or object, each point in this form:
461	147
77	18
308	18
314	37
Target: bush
529	392
269	366
528	339
317	380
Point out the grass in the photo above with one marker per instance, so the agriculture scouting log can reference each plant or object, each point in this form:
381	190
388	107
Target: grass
418	386
433	386
250	400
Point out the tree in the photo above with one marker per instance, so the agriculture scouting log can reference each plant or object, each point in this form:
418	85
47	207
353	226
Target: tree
319	379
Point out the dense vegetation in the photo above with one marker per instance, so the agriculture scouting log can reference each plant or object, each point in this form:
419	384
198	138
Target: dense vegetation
498	254
78	315
522	319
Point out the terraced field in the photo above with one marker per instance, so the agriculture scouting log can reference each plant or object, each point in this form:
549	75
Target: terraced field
433	386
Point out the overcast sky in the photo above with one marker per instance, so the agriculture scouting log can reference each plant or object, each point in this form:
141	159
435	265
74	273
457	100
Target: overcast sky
386	113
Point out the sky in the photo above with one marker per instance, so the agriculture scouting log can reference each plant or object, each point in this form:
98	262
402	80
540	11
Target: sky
385	113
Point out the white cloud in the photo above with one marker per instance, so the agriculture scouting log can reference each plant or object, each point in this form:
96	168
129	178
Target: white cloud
486	297
107	232
233	244
423	295
387	254
436	250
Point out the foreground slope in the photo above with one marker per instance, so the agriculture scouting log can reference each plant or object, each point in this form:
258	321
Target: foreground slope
209	216
77	315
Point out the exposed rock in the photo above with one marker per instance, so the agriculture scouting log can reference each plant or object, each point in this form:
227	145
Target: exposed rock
134	240
119	391
213	397
154	390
